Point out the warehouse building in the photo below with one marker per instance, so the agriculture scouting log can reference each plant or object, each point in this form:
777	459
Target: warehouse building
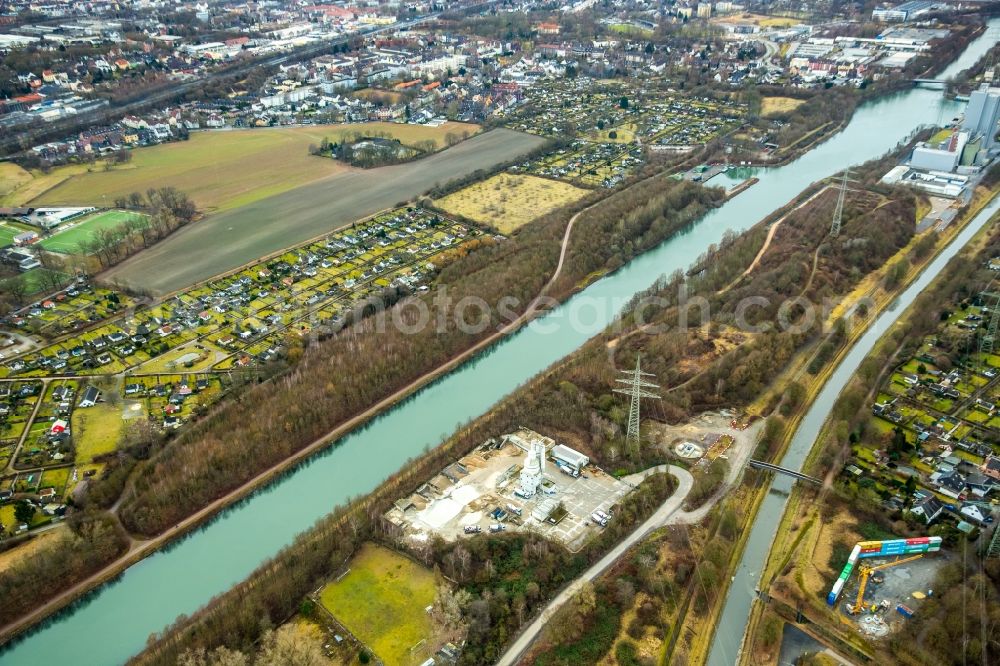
569	458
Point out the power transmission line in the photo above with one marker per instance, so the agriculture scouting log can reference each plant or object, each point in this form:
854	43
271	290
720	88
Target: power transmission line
838	213
986	341
634	387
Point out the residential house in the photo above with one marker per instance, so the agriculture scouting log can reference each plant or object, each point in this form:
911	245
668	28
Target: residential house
974	513
929	508
991	467
90	397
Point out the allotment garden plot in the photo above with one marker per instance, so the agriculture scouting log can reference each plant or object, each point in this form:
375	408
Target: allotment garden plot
104	364
930	447
614	125
243	317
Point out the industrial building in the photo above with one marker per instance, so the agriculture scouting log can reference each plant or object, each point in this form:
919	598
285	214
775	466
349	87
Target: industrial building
569	459
982	116
904	12
939	183
945	156
510	483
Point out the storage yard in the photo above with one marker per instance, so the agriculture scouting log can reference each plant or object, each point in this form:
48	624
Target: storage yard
891	580
484	491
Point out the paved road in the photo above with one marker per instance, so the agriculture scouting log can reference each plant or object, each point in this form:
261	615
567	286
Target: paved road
662	517
668	514
228	240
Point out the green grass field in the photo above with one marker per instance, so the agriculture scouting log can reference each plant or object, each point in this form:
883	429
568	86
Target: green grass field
74	238
381	600
7	234
221	170
37	279
12	177
96	430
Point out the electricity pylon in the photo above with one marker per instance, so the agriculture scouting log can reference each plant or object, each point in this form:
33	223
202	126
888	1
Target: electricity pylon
994	548
986	341
838	213
634	387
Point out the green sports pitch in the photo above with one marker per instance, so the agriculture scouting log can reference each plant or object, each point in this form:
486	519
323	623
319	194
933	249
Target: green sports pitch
72	240
7	235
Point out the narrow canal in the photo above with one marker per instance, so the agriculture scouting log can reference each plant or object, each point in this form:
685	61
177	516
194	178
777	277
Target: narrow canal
736	613
112	623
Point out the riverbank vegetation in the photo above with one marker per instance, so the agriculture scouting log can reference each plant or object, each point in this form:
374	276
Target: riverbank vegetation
574	399
877	464
92	541
341	377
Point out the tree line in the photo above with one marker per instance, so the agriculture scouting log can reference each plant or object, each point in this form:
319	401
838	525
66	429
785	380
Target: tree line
362	364
164	209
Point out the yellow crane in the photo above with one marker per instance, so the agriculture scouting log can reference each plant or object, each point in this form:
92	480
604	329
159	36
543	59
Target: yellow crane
865	571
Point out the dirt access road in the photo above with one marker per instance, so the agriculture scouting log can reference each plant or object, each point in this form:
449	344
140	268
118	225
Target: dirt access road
223	242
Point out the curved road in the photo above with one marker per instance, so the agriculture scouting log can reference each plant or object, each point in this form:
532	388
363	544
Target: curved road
667	514
140	548
659	519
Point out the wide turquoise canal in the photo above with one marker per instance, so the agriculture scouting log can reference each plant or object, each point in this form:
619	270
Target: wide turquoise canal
112	623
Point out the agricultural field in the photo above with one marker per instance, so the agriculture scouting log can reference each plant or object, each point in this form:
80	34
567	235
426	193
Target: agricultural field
508	201
12	177
382	600
73	237
226	241
25	189
772	106
211	166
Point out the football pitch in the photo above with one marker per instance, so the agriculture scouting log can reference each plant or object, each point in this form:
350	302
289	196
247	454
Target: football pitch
74	238
7	234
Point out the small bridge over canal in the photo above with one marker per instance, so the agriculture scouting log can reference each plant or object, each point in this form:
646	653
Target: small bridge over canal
760	464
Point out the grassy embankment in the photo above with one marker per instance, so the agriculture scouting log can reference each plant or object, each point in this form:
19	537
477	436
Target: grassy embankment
870	287
793	541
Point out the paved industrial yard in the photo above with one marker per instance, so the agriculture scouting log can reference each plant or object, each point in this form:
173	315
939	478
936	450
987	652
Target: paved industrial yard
445	507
